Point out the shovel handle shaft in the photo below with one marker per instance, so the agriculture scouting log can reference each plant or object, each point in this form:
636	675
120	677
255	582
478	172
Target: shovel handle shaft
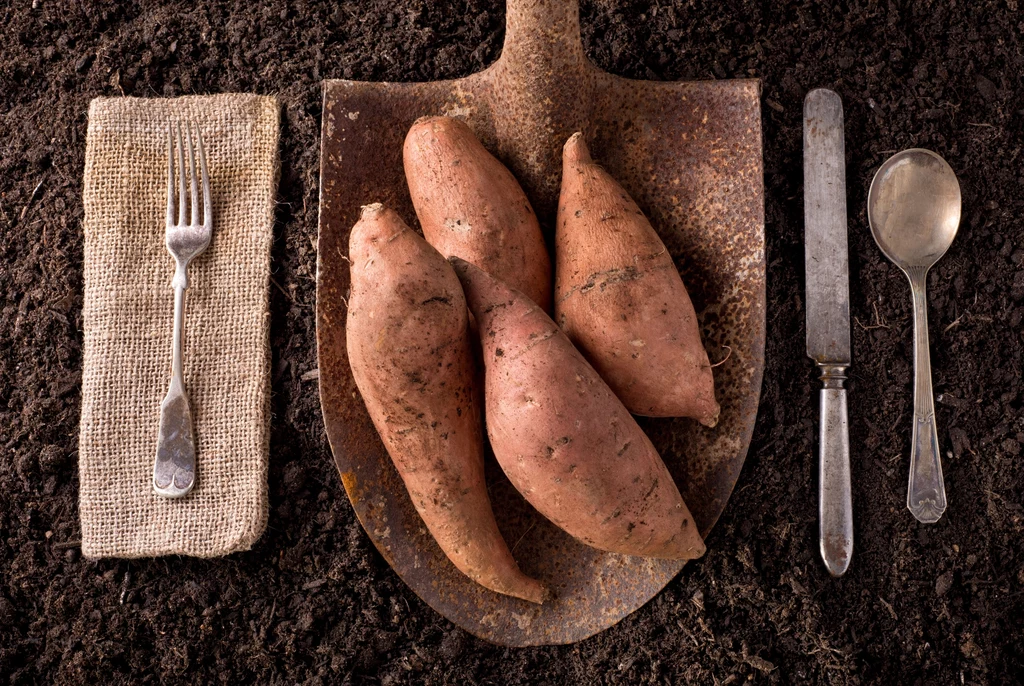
543	27
543	54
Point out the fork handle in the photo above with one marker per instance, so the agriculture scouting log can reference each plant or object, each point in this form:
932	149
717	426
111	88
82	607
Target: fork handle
177	376
174	471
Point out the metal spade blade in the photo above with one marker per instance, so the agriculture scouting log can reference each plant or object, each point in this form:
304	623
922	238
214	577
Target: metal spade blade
690	154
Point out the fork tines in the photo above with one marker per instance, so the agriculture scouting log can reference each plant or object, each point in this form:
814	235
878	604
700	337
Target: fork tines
174	132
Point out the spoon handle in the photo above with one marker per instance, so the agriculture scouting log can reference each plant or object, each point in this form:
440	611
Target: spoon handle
926	493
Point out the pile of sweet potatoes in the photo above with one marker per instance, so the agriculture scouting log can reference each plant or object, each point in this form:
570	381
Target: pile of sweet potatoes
557	397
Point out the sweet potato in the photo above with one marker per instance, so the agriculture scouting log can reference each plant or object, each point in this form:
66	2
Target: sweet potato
563	438
409	347
621	300
470	205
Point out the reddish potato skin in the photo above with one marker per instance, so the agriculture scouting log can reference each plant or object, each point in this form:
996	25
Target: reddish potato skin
562	437
471	206
409	347
621	300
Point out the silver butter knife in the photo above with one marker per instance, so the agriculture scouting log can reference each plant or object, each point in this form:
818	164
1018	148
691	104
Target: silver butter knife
828	315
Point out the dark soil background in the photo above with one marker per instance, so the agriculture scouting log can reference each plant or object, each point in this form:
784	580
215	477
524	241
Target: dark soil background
314	603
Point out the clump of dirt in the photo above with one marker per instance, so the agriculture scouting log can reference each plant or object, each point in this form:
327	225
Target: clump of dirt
313	602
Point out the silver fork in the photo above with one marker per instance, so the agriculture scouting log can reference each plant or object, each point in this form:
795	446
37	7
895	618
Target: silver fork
174	472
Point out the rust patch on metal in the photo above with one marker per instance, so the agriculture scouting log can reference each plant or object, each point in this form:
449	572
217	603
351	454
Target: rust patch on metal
349	481
690	155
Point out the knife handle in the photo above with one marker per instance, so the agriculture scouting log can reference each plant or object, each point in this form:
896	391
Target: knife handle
835	506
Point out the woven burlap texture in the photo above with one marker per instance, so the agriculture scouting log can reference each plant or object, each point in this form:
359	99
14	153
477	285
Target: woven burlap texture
128	319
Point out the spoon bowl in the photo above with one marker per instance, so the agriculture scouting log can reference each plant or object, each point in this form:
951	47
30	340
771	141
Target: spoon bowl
914	213
914	208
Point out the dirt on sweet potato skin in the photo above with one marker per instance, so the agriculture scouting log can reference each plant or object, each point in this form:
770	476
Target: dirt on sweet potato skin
313	602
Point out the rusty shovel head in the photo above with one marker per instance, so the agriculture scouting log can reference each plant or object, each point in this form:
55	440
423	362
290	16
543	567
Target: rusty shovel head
690	155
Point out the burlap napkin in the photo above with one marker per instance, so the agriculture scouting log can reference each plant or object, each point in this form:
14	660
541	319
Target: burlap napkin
128	315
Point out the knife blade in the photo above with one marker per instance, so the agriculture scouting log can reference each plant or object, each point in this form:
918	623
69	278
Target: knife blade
828	316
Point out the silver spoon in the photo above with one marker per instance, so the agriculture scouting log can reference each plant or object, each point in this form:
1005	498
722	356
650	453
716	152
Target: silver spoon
914	213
